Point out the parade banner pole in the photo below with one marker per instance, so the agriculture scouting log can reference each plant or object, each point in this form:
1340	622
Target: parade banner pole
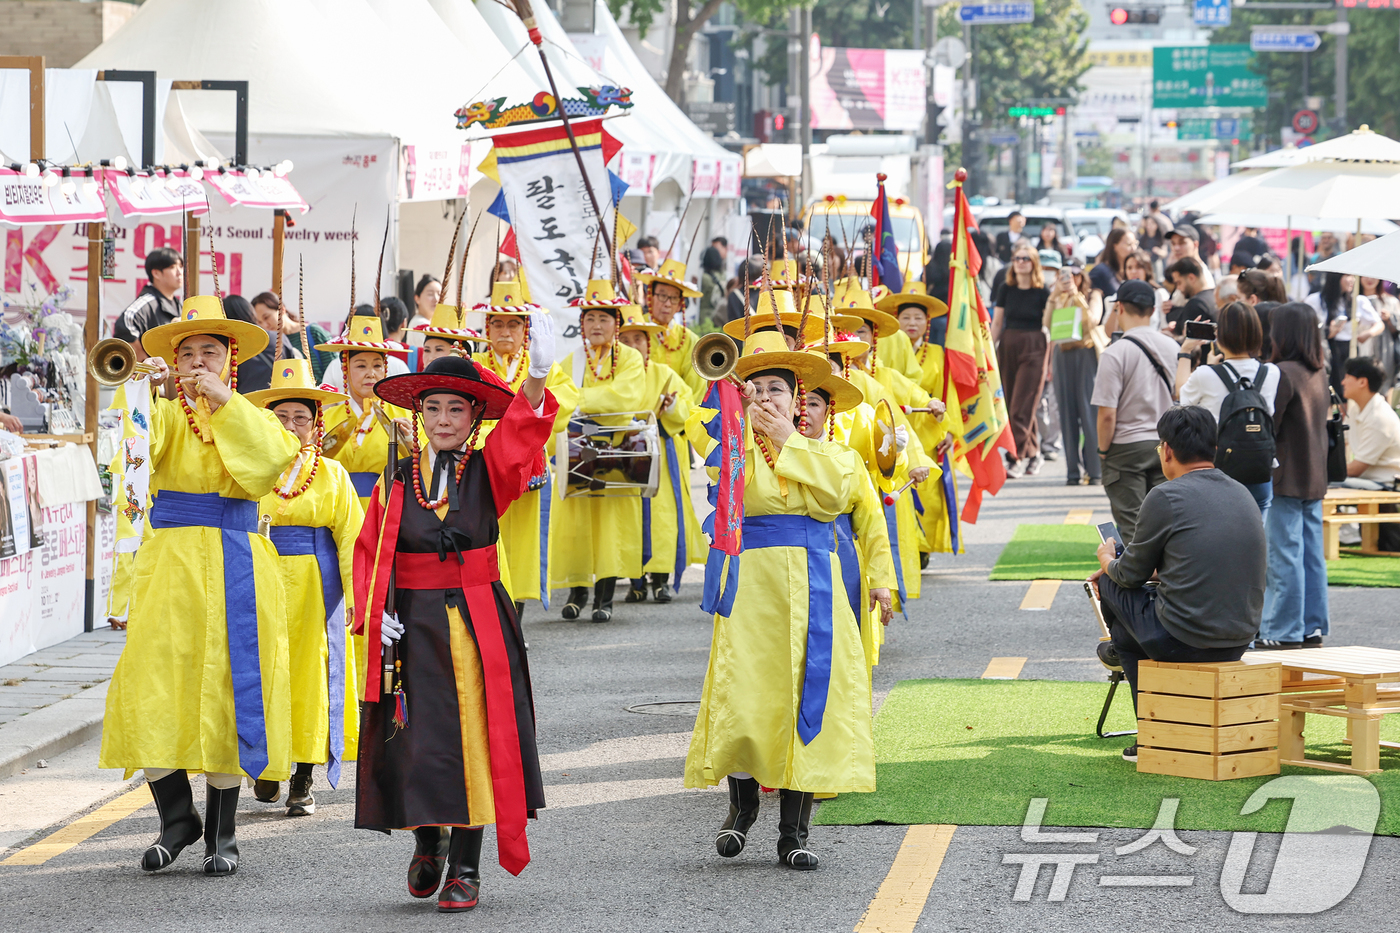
527	16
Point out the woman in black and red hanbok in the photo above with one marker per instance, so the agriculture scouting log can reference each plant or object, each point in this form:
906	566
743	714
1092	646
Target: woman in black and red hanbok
451	746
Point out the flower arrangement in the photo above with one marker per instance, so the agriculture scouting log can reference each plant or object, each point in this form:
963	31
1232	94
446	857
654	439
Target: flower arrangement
35	328
42	359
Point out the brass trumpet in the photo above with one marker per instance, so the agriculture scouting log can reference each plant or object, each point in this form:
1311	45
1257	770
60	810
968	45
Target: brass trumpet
714	356
112	362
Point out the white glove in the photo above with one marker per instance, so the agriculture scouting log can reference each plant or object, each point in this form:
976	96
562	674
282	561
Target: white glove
541	344
887	439
901	438
390	629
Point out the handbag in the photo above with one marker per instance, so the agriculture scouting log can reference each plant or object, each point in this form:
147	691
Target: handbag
1067	326
1336	441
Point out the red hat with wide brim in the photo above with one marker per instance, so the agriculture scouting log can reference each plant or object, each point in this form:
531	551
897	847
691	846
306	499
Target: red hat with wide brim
447	374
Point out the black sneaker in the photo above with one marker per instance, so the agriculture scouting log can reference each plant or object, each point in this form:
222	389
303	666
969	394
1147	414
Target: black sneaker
1269	644
1313	641
1108	656
1130	753
1094	481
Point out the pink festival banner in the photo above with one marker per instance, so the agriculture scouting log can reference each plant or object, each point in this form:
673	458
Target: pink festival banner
26	200
867	89
266	191
140	195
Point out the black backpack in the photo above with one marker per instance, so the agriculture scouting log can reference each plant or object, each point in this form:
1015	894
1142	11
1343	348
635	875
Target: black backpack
1244	443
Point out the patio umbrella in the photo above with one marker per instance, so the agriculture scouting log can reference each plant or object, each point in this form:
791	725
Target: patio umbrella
1378	259
1208	195
1376	226
1362	145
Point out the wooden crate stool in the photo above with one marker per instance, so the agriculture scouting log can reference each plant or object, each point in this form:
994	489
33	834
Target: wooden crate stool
1210	720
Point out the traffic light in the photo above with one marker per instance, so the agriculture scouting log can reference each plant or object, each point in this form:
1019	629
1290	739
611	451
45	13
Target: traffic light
1135	16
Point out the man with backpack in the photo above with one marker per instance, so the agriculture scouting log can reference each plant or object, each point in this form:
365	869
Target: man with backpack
1132	391
1239	393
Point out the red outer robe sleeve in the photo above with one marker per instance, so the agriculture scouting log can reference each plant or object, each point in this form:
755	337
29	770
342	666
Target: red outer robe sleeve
514	447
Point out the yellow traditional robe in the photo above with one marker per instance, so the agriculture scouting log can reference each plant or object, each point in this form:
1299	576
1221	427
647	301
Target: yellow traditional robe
937	527
366	453
682	359
592	537
897	352
753	686
329	502
520	539
662	380
171	704
854	428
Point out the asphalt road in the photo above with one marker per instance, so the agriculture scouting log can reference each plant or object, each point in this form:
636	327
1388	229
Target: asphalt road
624	847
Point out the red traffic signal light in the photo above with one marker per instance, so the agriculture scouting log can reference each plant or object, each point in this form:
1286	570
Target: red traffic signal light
779	121
1118	16
1135	16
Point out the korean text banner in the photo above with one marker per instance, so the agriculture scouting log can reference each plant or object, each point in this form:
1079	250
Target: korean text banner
867	89
555	225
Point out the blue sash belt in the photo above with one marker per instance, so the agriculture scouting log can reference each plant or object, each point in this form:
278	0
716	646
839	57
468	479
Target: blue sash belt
364	482
296	540
236	519
892	524
673	466
850	562
819	540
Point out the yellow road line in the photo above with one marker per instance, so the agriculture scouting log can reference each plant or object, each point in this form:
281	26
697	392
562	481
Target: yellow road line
1004	669
75	832
899	902
1079	516
1041	594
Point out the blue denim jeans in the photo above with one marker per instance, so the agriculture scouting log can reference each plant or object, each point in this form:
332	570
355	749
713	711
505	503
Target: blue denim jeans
1263	494
1295	595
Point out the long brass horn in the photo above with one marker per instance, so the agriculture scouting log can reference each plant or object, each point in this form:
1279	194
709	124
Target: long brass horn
112	362
714	356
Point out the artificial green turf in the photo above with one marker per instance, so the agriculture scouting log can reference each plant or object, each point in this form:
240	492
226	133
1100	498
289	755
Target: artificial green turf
1066	552
975	752
1355	570
1048	552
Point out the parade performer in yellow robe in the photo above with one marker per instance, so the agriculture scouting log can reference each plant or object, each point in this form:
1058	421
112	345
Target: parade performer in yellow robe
670	532
203	683
448	742
673	344
446	335
508	357
924	320
315	517
357	429
786	700
862	540
591	539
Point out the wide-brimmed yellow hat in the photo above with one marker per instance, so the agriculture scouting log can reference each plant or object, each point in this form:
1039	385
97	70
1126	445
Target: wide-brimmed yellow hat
844	396
511	299
292	379
598	295
779	299
816	304
444	327
913	294
856	302
364	335
203	314
843	344
769	350
633	319
784	273
672	272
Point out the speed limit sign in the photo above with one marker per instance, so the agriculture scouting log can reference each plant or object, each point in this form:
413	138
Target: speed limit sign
1305	122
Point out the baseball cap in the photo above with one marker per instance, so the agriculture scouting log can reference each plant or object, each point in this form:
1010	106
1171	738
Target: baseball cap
1243	257
1137	292
1187	231
1051	259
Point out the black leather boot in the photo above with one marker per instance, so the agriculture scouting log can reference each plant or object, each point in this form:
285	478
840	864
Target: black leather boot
578	598
180	825
463	885
660	590
743	811
429	855
300	801
603	599
220	844
794	816
638	591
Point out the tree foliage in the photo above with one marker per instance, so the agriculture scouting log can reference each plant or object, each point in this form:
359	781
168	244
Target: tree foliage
1043	59
1373	70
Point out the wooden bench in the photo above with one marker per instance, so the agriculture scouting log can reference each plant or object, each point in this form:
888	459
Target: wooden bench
1210	720
1368	515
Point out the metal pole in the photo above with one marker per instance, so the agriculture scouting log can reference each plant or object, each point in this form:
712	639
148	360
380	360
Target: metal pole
1355	287
92	331
804	78
1341	68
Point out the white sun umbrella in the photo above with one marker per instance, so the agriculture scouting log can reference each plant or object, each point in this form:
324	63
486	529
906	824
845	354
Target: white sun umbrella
1206	197
1376	225
1378	259
1362	145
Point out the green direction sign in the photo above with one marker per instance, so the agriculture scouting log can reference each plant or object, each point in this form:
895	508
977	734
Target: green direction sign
1197	128
1035	111
1206	76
